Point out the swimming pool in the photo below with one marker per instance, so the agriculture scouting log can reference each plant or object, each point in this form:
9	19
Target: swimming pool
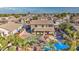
60	46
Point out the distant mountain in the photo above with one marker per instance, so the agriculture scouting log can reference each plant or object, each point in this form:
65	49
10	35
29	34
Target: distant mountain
10	10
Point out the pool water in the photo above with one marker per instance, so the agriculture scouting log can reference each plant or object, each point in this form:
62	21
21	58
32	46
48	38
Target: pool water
60	46
57	46
47	48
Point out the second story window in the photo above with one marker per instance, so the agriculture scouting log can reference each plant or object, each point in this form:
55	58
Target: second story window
50	25
42	25
35	25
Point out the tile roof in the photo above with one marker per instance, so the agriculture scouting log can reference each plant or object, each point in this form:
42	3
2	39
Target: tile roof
10	26
41	22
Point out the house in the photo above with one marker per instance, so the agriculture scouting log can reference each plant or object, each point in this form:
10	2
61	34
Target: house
59	21
76	22
3	20
43	18
67	17
76	25
13	19
42	26
10	28
75	19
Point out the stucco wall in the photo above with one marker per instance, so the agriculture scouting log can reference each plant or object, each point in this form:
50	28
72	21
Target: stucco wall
39	26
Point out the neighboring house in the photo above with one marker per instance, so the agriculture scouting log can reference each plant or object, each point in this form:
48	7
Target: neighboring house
75	19
19	20
3	20
76	22
23	19
67	18
13	19
59	21
10	28
76	27
42	26
42	18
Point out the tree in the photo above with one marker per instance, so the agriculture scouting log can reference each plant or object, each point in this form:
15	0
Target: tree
73	46
35	17
71	35
31	40
12	40
61	15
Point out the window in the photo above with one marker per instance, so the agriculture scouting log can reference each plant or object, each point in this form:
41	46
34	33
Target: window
38	32
50	25
35	25
42	25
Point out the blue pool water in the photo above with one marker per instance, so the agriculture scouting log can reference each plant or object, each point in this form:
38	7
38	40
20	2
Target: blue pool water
47	48
39	9
60	46
57	46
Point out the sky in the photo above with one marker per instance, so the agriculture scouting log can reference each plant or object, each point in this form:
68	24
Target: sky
4	10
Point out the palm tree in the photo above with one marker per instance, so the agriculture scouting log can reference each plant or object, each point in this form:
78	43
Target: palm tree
31	40
73	37
13	40
73	46
3	42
